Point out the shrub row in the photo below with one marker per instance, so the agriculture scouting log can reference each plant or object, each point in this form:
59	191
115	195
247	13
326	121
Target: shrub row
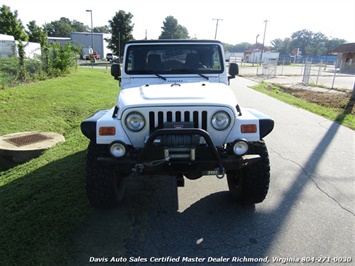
55	60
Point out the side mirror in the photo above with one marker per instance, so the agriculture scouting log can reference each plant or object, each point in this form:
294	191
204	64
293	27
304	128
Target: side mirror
116	71
233	70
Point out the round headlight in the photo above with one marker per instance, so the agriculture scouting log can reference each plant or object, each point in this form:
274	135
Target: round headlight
135	121
240	147
220	120
117	149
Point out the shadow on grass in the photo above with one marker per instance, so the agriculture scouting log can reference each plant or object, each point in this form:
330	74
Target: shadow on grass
39	210
349	107
6	163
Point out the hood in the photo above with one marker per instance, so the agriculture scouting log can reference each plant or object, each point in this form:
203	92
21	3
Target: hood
199	93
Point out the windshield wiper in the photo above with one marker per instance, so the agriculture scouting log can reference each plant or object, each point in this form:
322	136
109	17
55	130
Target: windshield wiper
148	72
155	73
190	71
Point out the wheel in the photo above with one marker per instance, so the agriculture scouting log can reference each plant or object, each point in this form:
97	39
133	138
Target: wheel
251	184
104	186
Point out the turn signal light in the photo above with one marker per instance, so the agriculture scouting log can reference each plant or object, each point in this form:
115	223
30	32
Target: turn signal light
107	131
248	128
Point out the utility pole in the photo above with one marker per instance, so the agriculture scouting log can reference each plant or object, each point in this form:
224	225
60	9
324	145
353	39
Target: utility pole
92	37
217	20
262	50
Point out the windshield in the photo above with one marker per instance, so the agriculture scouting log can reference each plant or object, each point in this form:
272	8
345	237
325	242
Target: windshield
174	59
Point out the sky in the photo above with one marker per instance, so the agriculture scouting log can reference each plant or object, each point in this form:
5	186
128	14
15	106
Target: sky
238	20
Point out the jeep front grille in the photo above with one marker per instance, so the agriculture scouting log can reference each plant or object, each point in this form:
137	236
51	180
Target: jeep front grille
158	118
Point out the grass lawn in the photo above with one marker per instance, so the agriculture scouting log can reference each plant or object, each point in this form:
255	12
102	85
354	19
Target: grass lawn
43	201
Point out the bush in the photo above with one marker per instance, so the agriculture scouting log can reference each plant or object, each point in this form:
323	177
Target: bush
55	61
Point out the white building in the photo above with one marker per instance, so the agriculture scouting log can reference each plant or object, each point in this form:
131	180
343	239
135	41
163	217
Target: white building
9	47
60	40
255	57
85	39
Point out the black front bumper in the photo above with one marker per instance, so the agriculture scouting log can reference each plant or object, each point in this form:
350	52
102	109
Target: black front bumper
154	158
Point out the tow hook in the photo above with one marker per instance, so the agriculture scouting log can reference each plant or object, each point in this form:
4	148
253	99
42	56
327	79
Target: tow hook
138	168
220	172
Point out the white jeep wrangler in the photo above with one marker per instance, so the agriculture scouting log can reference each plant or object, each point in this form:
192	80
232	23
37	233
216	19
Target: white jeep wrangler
176	115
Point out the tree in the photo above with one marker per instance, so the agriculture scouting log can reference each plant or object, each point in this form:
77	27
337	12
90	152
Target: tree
121	31
303	40
36	33
9	24
238	48
319	41
310	43
63	27
104	29
172	30
332	44
282	46
78	26
58	28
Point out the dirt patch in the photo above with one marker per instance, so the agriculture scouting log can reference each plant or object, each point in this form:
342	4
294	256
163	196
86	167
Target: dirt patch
338	100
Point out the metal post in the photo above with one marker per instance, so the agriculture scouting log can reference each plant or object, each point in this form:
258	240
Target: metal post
92	37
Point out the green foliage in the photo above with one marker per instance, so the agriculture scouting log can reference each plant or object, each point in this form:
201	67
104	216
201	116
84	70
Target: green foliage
282	46
61	59
121	29
310	43
238	48
54	61
36	33
22	74
63	27
173	30
104	29
10	25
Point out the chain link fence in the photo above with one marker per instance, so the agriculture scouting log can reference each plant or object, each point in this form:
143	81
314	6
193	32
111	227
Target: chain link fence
306	74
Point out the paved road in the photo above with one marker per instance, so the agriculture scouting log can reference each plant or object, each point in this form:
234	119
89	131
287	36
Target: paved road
308	214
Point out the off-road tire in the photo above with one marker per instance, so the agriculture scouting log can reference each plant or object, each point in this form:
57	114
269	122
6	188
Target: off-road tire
251	184
104	186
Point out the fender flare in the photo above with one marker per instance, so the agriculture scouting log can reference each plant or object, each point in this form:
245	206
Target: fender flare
266	124
88	126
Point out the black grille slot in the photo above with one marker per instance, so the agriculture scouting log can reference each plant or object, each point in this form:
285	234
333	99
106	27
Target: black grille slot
195	118
160	118
157	119
178	116
204	120
187	116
